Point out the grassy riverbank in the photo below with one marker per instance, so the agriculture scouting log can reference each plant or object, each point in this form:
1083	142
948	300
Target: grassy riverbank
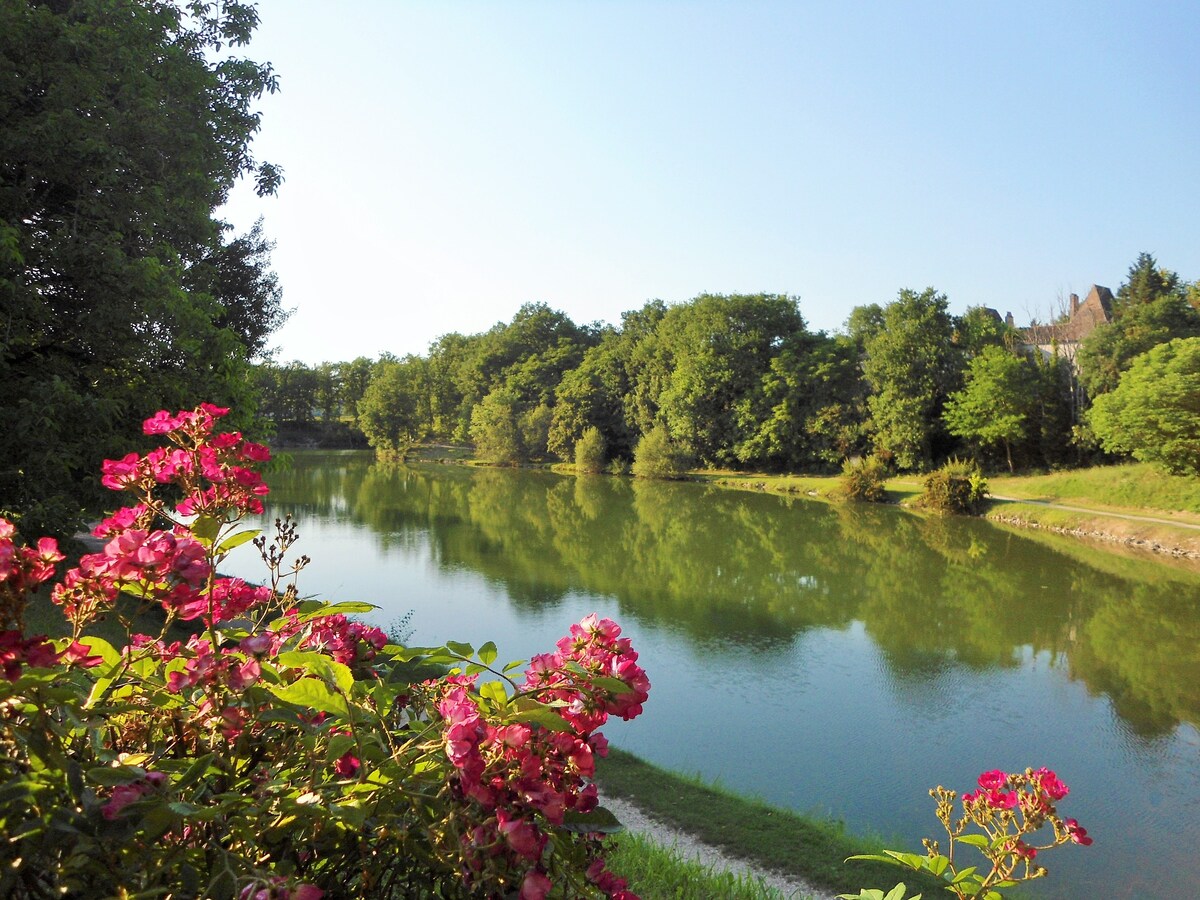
1134	504
814	850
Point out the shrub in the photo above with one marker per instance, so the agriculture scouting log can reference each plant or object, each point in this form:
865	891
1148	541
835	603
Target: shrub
282	751
1010	820
589	452
957	488
657	456
862	479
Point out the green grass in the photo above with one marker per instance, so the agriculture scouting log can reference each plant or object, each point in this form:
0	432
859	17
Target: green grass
661	873
819	487
1136	487
814	850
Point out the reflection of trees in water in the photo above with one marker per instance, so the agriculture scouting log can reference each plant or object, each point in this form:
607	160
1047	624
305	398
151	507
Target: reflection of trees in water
759	570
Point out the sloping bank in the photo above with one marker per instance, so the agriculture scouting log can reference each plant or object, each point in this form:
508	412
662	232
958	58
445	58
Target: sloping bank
800	849
1173	534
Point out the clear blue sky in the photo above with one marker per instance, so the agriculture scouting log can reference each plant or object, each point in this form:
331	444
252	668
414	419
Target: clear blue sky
448	161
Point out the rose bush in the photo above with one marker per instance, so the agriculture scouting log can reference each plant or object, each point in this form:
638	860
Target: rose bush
1010	819
261	746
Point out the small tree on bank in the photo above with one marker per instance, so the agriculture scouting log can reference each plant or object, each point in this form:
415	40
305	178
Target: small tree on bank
657	456
994	406
589	452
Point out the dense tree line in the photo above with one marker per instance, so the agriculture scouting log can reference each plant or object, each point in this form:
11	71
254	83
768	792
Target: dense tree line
741	381
123	127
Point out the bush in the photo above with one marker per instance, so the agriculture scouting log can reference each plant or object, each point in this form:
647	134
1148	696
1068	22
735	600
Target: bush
657	456
957	488
1152	412
282	751
618	466
862	480
589	452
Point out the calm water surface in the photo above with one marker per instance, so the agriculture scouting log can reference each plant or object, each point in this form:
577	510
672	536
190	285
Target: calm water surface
831	660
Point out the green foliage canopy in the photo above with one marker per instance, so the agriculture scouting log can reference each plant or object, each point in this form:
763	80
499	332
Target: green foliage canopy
1151	308
388	413
1154	412
995	404
911	366
123	127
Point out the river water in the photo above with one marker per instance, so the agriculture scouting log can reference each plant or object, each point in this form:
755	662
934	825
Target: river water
838	661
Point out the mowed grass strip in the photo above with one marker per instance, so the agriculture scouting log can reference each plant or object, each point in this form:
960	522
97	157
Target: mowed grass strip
1136	488
813	850
661	873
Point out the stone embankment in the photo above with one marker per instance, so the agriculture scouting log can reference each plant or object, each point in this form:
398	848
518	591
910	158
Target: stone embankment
1098	535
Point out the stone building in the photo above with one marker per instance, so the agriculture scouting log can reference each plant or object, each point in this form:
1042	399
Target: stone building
1066	336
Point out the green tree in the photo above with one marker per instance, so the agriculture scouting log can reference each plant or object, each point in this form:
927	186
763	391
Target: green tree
703	366
238	274
534	427
864	323
123	127
1154	412
589	451
995	403
388	413
496	428
911	366
1146	282
657	455
1150	308
353	378
978	328
592	395
815	399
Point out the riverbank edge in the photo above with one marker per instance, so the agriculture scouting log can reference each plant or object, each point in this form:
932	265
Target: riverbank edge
803	848
1102	527
1126	528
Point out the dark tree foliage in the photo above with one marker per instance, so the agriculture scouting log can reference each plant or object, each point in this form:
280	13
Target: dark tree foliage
1150	308
123	126
912	366
702	367
239	276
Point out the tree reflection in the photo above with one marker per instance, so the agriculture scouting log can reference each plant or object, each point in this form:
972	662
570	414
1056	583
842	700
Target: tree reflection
760	570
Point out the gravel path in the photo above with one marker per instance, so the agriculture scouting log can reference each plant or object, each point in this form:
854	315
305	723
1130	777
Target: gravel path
637	821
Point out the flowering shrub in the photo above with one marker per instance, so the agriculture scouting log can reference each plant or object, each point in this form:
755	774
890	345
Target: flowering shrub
276	749
1009	811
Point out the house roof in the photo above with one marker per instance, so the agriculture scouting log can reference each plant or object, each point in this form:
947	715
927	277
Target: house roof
1094	311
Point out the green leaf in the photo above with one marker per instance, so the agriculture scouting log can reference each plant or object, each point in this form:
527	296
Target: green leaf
599	820
515	664
98	690
974	840
205	529
542	716
963	875
346	608
487	653
313	694
895	858
464	650
349	812
320	665
196	771
236	540
339	745
494	691
612	685
98	646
